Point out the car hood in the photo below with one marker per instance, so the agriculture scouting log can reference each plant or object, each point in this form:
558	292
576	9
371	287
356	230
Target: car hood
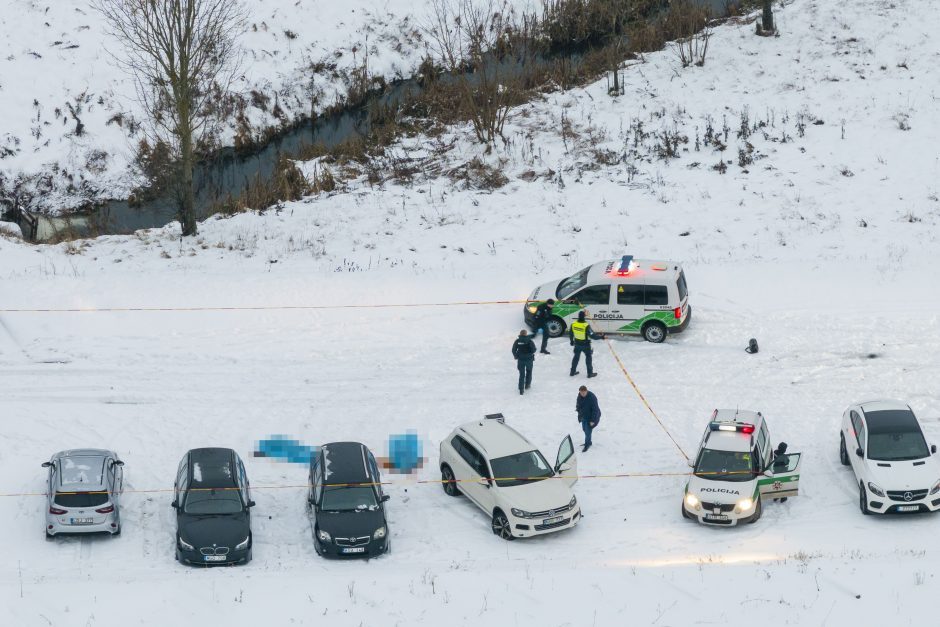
539	496
545	291
225	530
727	492
904	475
351	524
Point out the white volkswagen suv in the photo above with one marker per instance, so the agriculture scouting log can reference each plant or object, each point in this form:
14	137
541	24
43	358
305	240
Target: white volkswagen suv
896	470
507	477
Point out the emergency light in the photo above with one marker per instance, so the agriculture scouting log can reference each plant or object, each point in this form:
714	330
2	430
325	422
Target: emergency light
625	265
740	427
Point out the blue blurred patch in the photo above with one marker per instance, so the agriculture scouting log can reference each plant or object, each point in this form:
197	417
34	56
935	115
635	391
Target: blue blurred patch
285	449
404	452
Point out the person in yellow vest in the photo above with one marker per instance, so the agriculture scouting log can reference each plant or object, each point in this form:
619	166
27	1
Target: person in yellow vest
581	335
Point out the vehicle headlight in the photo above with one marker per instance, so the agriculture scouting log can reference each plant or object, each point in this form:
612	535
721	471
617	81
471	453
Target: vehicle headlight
745	504
379	533
324	535
518	513
875	489
532	309
243	544
692	501
186	546
935	488
574	501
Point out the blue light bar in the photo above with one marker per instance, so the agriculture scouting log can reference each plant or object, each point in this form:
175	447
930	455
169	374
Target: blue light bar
625	262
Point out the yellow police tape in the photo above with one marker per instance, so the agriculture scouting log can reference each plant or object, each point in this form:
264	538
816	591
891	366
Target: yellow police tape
306	486
263	307
643	398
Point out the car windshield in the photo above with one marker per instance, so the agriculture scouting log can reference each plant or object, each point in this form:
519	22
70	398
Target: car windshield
896	447
572	284
520	469
213	501
348	498
81	499
724	465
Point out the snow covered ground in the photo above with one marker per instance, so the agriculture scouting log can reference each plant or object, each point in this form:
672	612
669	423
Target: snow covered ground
823	249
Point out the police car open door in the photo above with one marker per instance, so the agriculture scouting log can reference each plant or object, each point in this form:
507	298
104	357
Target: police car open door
566	463
782	477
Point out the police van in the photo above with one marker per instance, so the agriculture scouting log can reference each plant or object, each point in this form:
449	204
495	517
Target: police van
735	470
624	296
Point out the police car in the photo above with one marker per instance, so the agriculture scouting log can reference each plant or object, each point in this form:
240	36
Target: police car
735	470
625	296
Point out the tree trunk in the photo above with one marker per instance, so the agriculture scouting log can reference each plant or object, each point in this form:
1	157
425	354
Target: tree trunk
767	23
187	197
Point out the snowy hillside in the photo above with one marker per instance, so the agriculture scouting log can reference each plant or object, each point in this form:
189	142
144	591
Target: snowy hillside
817	235
57	72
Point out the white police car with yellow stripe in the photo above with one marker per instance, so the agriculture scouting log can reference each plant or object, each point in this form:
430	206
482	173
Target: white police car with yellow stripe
624	296
735	470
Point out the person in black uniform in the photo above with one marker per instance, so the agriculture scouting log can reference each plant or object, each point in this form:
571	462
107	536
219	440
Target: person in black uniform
581	335
523	350
540	322
781	460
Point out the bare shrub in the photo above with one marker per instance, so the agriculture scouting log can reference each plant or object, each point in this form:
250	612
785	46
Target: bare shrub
688	23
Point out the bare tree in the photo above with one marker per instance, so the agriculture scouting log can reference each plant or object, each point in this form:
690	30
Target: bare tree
766	25
183	56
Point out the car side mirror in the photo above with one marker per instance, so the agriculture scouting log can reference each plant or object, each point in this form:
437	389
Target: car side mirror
860	452
175	504
933	448
385	498
251	503
118	462
47	464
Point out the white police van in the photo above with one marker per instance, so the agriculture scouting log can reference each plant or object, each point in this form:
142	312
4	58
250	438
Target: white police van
735	469
625	296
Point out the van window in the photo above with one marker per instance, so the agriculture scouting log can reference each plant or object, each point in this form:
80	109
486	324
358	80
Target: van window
683	288
657	295
594	295
630	295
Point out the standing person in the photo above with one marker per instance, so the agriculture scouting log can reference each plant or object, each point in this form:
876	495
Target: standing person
523	349
581	335
540	322
589	414
781	459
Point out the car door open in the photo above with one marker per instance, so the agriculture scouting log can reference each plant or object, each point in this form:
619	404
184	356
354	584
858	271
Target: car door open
566	463
782	477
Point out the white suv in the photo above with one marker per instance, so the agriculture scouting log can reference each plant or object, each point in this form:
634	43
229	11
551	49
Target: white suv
507	477
895	469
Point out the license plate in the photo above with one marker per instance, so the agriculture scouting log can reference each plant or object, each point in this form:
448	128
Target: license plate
908	508
355	549
214	558
715	517
82	521
552	521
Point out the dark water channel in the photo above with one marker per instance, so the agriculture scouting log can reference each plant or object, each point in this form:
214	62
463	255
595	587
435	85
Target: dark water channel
228	173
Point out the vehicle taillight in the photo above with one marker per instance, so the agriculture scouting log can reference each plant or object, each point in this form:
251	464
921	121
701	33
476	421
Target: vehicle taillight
105	510
57	511
747	429
678	312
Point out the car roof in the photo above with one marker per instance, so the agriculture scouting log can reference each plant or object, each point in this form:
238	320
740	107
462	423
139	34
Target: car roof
882	405
82	469
496	438
739	415
212	468
729	441
891	421
643	273
345	462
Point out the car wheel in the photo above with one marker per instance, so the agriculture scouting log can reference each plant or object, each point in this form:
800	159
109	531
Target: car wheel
49	537
448	481
685	514
843	454
654	332
863	500
247	556
179	557
555	327
758	512
117	532
501	526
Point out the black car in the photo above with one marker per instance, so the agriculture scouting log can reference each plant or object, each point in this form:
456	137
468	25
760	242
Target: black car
347	501
212	502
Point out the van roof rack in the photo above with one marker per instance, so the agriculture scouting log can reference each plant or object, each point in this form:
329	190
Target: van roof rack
497	417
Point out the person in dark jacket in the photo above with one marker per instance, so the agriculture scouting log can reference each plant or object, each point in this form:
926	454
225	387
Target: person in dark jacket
589	414
523	349
780	463
581	335
542	315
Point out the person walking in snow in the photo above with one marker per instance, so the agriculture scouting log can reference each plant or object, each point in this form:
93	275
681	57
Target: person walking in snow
540	322
581	335
589	414
523	350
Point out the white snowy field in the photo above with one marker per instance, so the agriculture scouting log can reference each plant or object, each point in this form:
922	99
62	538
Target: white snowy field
824	250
